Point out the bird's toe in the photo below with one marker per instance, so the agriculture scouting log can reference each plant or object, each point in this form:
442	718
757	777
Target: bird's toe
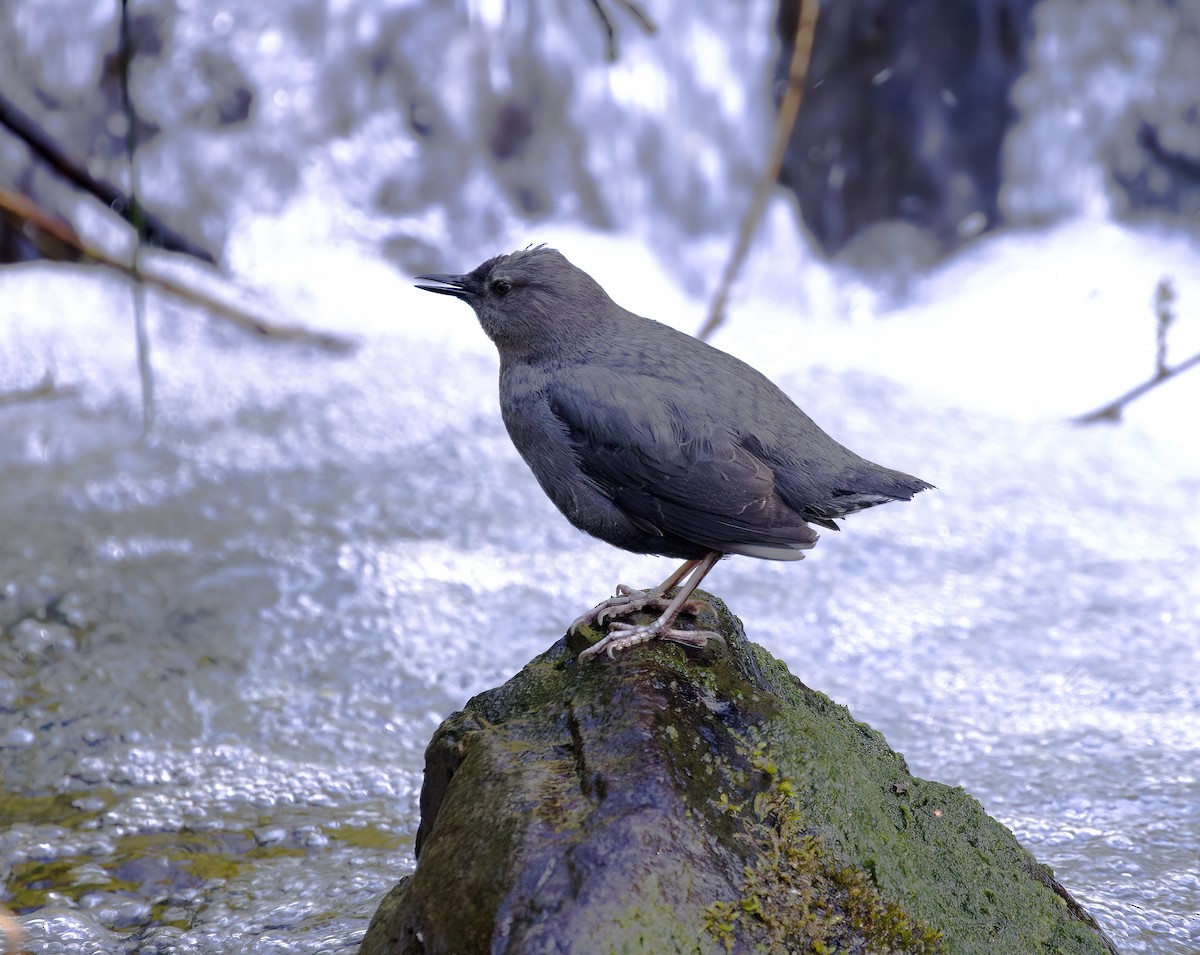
626	601
629	635
623	636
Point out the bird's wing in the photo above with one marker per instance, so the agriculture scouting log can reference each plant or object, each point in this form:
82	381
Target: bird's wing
667	460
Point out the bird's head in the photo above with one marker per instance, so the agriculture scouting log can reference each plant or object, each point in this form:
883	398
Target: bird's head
529	301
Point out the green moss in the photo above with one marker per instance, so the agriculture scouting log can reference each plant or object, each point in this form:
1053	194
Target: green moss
800	894
69	810
928	847
365	837
150	864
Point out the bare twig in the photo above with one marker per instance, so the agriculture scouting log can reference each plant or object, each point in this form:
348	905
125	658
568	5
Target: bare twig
1164	298
788	109
1112	410
44	227
138	221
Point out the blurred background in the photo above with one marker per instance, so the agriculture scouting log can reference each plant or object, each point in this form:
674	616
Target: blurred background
452	127
261	528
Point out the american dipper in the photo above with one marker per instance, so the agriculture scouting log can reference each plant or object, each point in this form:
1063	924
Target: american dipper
654	441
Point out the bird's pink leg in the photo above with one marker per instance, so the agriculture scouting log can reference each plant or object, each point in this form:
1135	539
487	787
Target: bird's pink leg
629	600
622	636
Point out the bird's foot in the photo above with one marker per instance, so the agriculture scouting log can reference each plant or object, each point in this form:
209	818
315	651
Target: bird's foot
626	601
622	636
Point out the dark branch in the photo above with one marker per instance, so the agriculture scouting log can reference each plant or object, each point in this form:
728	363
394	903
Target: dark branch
610	31
158	233
648	26
610	34
1164	315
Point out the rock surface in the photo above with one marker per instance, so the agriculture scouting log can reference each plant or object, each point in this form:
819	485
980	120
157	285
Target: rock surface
676	800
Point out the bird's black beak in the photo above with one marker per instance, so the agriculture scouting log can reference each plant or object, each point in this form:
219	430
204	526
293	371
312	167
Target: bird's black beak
455	285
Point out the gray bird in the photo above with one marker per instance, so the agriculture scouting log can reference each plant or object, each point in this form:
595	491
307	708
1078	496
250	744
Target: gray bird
653	441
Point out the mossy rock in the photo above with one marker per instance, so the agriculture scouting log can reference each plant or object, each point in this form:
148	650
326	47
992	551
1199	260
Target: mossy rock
674	800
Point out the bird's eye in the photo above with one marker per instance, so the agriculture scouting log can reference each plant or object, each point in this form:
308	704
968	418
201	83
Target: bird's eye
501	286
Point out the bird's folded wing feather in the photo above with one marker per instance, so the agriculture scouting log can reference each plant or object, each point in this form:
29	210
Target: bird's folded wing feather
666	462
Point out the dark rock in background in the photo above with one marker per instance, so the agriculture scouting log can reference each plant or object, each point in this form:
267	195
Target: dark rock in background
682	801
904	115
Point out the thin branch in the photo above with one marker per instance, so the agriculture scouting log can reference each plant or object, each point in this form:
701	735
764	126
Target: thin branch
610	33
788	109
137	220
1164	298
649	27
43	227
1112	410
1164	316
158	233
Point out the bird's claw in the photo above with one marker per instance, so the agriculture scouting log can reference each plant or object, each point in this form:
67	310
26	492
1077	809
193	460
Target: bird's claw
627	601
623	636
